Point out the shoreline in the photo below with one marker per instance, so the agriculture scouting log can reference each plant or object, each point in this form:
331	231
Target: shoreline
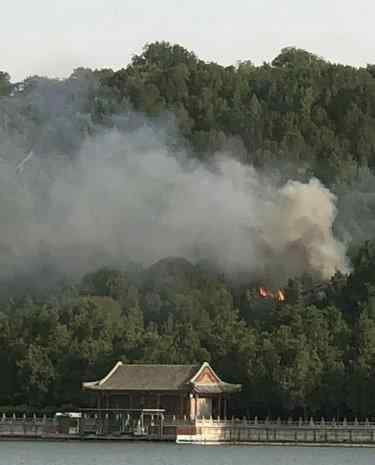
61	438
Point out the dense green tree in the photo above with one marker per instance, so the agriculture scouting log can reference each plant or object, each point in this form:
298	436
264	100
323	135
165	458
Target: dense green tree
5	86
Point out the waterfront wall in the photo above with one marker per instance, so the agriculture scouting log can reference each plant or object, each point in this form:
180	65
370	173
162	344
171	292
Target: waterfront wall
247	431
28	427
204	431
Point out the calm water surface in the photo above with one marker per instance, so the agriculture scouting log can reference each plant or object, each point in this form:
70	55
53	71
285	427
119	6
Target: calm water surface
34	453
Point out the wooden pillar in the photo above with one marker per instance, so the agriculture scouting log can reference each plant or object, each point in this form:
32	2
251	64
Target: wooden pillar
219	409
196	406
182	405
225	407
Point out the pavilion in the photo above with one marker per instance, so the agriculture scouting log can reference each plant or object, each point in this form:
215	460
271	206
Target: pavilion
191	391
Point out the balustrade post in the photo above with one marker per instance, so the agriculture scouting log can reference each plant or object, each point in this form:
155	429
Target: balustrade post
14	420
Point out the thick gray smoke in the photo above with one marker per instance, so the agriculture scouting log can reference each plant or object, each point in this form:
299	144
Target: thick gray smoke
125	195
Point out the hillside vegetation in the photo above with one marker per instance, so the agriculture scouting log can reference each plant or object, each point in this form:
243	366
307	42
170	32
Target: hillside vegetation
295	118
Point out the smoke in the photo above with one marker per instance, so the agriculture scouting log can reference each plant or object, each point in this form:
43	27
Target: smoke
356	207
126	195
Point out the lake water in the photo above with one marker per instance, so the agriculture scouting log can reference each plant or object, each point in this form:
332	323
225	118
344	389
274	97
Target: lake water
76	453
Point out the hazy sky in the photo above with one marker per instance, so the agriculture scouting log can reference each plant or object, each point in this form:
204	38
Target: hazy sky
50	37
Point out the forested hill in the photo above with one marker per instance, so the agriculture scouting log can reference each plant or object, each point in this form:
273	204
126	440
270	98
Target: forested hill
311	354
297	109
299	115
295	118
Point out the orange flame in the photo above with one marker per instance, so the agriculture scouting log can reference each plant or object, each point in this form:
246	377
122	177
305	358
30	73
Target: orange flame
263	292
279	295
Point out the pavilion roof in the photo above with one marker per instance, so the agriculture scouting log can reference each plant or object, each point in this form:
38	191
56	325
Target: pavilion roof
135	377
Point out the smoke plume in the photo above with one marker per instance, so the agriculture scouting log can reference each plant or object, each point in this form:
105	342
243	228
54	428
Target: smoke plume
126	195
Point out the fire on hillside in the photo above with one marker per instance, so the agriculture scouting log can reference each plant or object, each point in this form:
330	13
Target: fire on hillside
278	295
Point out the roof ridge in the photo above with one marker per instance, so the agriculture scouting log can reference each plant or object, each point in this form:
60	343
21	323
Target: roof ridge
162	364
111	373
217	384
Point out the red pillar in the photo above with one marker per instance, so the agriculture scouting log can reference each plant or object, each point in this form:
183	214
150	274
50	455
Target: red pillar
191	406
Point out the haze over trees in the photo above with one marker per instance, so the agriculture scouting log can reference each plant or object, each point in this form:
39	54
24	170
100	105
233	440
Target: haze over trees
295	118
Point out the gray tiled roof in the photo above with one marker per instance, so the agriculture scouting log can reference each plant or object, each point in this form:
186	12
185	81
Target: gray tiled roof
146	377
159	378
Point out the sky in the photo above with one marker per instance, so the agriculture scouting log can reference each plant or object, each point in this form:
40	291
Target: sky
51	38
